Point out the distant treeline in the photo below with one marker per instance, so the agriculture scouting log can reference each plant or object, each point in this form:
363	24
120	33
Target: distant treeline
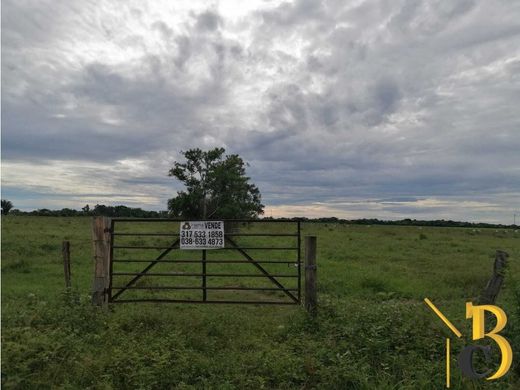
125	211
97	210
402	222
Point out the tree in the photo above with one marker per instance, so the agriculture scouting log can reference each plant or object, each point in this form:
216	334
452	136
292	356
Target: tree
6	206
216	187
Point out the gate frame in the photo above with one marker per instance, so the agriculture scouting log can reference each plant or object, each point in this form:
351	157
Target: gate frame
103	232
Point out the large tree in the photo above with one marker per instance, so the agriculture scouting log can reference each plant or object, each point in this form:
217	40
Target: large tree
6	206
216	187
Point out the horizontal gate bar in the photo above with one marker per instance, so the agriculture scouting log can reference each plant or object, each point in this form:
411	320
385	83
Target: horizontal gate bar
227	234
201	288
199	274
122	219
207	261
207	301
147	234
139	247
220	249
262	234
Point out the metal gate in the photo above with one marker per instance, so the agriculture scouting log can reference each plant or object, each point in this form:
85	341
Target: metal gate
260	263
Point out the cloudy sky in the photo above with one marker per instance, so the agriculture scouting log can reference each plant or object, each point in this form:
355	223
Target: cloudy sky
377	108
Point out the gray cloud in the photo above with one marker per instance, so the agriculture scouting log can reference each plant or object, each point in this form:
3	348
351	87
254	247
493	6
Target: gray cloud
208	21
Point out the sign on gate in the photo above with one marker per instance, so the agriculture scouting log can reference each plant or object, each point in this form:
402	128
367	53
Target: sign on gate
202	234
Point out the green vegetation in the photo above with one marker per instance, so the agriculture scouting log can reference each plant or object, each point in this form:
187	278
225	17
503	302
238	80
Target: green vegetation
7	205
216	187
373	330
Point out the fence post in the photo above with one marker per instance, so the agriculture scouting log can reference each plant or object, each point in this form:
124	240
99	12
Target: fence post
65	249
101	248
490	293
311	298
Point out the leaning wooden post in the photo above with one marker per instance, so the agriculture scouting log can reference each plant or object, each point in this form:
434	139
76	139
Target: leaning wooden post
490	293
65	249
311	298
101	247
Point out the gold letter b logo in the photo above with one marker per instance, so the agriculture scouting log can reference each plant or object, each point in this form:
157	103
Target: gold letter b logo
478	315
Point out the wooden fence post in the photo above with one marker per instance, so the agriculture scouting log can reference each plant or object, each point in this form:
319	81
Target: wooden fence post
101	247
65	249
490	293
311	298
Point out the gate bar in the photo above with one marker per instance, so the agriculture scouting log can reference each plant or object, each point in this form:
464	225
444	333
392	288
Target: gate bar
216	301
228	234
200	288
203	274
220	249
124	219
208	261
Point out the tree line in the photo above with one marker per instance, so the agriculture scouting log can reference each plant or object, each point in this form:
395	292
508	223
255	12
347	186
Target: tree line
97	210
401	222
132	212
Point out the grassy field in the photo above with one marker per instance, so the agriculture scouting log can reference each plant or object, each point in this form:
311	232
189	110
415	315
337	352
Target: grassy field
373	331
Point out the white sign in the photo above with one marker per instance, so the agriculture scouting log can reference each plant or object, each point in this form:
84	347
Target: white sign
202	234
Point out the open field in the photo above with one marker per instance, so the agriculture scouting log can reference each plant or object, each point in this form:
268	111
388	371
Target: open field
373	330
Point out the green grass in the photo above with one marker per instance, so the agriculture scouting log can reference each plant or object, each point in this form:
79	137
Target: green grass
372	331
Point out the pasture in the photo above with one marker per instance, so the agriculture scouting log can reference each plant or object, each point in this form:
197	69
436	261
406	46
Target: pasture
373	330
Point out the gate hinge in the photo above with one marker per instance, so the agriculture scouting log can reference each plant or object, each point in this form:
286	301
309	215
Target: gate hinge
312	267
107	230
